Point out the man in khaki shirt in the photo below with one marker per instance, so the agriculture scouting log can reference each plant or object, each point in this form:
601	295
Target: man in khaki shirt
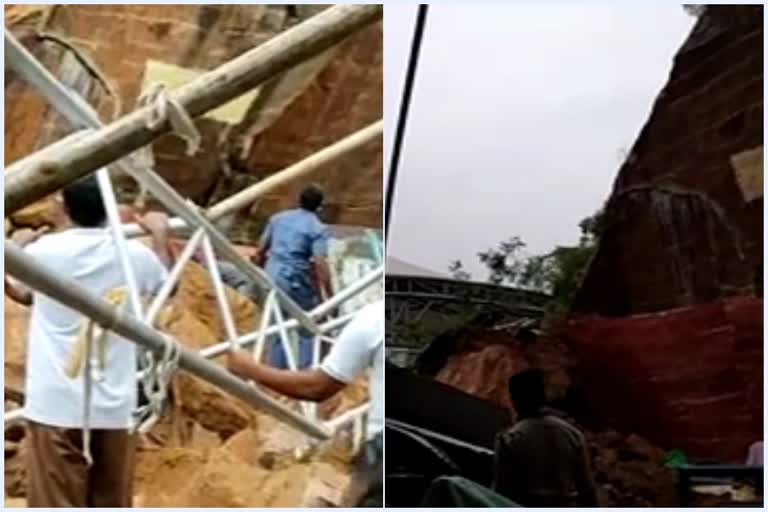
541	461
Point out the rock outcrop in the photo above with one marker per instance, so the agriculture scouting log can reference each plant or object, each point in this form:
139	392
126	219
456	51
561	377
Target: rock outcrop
684	223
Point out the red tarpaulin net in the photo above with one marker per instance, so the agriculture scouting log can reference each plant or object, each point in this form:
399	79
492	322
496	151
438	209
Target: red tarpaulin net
690	378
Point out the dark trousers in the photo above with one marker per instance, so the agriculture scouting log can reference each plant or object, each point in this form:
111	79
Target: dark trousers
58	475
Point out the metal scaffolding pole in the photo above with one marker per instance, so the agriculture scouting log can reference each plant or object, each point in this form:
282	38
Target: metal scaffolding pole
68	292
41	178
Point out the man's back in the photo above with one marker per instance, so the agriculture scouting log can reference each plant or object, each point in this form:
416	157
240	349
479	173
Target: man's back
295	236
88	256
543	461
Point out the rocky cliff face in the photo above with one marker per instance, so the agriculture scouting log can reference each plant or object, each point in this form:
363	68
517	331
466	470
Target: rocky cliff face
121	49
684	224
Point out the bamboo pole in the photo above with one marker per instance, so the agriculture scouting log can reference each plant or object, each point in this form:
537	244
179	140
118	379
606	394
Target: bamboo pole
302	168
39	178
298	170
69	292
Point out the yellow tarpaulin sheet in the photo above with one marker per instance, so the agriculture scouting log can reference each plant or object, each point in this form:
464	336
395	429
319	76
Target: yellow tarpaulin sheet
748	170
174	76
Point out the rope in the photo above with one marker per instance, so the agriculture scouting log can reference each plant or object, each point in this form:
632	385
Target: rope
93	337
88	357
157	380
164	107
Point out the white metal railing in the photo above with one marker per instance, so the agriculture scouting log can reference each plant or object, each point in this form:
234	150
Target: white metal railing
139	328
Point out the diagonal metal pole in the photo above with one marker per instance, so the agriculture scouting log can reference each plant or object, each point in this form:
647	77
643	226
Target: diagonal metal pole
210	90
67	291
83	117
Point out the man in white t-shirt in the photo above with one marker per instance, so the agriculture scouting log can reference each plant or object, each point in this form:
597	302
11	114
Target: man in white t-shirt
359	346
57	471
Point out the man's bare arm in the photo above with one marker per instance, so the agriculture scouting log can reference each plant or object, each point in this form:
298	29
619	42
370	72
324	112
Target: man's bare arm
312	385
156	225
16	291
259	257
322	274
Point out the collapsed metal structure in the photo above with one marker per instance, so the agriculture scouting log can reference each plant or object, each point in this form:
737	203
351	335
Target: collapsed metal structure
95	145
410	298
416	300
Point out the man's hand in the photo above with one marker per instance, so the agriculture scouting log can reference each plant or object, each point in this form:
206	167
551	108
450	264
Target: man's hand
258	257
240	362
157	225
154	223
311	384
26	236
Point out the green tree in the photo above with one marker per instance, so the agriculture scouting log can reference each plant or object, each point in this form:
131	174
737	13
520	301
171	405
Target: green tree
558	273
457	270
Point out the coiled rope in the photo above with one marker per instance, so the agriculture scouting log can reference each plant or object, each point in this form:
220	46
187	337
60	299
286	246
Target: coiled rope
89	358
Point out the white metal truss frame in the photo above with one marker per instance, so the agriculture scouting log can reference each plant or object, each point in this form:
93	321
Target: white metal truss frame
277	303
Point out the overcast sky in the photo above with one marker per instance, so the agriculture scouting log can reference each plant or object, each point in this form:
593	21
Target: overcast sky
518	118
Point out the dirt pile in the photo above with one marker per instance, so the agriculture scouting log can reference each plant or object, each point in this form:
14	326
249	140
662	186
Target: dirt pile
241	472
210	450
629	470
196	297
487	358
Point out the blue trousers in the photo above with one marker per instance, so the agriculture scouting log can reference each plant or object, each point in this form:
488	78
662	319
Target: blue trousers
279	359
298	286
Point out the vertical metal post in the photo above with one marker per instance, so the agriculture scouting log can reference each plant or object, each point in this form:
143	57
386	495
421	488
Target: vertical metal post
266	316
221	295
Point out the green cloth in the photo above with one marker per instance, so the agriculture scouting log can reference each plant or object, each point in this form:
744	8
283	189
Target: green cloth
455	491
675	459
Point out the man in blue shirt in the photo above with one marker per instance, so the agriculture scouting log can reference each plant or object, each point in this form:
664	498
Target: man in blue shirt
293	251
